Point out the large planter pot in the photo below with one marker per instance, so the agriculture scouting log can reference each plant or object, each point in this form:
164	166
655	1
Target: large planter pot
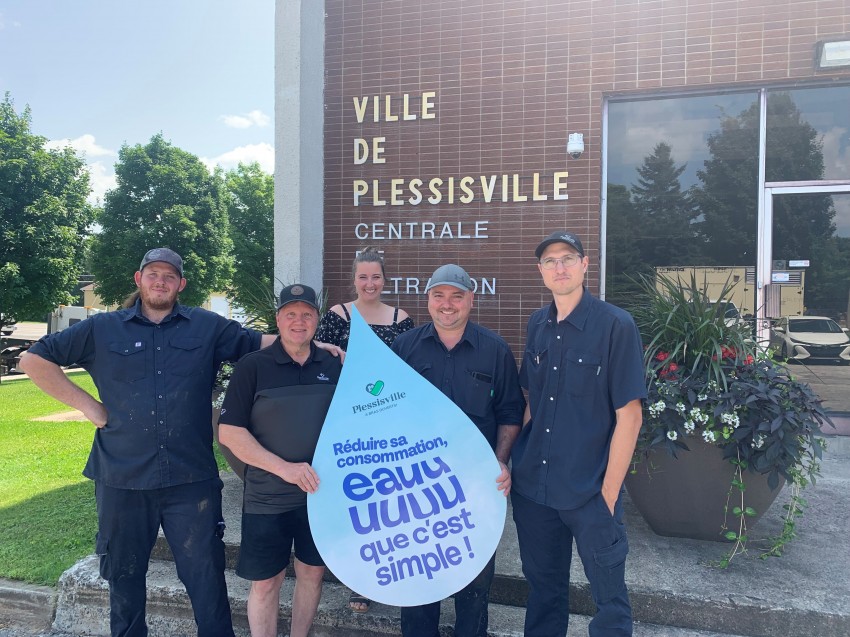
686	496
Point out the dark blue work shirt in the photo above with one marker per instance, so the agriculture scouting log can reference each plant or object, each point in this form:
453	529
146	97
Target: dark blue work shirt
478	374
155	381
577	373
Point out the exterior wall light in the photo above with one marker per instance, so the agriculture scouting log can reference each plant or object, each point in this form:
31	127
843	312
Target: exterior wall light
831	55
575	145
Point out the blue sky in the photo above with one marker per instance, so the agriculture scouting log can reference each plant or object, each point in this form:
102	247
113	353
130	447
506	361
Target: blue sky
99	74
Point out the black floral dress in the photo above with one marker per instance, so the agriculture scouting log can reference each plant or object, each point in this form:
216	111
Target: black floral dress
334	329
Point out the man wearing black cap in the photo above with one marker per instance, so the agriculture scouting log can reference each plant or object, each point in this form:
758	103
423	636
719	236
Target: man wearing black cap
583	369
476	369
271	417
154	364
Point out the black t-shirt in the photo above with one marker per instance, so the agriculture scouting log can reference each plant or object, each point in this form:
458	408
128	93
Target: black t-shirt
283	405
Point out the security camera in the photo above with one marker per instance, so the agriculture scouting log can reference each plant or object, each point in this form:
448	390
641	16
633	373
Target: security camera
575	145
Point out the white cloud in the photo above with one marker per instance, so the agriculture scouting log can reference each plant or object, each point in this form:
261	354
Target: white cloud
101	179
254	118
261	153
84	144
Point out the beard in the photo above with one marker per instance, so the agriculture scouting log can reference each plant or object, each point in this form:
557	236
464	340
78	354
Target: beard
157	302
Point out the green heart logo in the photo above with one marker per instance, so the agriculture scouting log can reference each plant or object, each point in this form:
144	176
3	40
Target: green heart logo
375	388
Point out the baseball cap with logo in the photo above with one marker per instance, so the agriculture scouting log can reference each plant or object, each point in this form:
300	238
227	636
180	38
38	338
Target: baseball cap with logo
166	256
298	292
451	274
561	236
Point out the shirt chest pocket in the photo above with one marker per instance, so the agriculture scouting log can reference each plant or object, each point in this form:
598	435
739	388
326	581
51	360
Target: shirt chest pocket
186	355
581	372
475	397
127	360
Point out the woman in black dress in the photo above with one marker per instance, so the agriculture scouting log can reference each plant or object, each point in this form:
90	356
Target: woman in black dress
386	321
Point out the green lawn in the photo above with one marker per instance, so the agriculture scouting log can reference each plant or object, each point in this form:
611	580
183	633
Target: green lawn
47	510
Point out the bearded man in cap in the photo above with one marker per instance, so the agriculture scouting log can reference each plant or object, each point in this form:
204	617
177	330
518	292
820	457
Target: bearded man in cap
154	365
476	369
271	418
583	369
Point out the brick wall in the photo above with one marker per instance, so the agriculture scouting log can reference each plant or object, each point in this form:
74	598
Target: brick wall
512	79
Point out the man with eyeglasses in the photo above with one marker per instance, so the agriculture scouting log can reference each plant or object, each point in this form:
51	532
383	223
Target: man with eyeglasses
583	369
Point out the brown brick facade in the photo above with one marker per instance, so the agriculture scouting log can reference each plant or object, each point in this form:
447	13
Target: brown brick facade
512	78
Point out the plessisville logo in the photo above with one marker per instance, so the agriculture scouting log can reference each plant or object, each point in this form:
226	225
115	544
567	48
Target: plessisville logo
375	388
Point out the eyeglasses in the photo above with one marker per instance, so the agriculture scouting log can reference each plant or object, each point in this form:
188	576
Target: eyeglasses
568	260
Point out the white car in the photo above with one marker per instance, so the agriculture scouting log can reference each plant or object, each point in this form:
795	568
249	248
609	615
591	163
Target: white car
810	338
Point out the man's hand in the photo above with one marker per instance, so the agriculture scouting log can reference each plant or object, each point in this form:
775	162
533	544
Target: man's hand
335	350
96	412
504	479
610	498
302	475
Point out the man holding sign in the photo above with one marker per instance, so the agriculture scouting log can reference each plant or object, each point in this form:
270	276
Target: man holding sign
476	369
271	418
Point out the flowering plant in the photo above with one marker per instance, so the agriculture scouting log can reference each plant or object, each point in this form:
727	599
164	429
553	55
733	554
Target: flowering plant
761	417
708	380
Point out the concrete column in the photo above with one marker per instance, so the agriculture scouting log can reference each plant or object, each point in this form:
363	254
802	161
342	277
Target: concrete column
299	145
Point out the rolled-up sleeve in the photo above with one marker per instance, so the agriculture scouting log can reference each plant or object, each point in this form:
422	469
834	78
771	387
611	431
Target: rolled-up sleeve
72	346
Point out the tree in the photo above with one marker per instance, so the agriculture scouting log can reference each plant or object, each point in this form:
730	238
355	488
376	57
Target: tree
165	197
728	195
624	259
44	219
250	208
664	212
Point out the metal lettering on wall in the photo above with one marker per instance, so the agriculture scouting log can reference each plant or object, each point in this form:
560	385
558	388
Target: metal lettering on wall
432	190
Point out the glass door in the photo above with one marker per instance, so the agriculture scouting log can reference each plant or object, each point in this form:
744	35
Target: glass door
806	300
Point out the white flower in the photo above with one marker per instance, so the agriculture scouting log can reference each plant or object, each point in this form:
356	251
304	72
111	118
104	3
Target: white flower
657	408
702	397
680	408
689	426
672	435
709	436
698	416
730	419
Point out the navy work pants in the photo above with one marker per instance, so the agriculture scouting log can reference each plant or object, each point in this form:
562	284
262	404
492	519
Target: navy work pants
471	615
545	545
190	516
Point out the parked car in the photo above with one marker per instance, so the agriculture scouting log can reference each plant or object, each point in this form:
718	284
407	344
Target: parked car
810	338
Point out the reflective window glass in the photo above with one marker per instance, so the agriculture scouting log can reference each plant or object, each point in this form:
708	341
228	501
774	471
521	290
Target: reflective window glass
682	192
808	134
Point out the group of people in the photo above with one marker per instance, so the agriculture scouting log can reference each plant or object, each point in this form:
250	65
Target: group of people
569	445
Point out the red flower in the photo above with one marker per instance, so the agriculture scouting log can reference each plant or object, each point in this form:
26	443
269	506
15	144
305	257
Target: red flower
728	352
662	356
669	370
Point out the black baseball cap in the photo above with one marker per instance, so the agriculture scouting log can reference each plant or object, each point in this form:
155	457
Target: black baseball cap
165	255
298	292
560	236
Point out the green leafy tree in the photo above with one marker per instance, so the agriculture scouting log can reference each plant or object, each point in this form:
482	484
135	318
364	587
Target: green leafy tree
727	197
44	219
250	208
164	197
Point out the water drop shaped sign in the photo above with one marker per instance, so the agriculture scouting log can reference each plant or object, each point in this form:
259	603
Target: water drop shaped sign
407	511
